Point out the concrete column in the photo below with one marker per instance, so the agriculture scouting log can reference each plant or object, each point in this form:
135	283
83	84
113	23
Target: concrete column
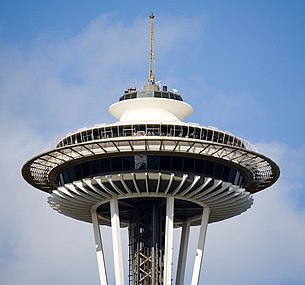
183	252
200	246
117	242
169	231
99	249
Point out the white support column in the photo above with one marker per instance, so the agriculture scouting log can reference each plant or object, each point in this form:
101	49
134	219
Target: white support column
99	248
184	240
169	230
117	243
200	246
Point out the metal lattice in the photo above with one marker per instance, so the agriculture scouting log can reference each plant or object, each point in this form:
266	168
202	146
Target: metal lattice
146	243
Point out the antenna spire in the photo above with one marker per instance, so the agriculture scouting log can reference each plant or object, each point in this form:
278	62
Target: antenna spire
152	57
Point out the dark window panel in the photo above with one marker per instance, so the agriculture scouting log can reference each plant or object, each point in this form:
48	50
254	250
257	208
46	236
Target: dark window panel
77	172
232	175
226	173
199	166
128	162
165	162
209	167
153	162
86	169
95	167
188	164
177	163
105	165
116	164
218	170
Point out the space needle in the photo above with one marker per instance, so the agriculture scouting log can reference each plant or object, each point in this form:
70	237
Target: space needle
150	172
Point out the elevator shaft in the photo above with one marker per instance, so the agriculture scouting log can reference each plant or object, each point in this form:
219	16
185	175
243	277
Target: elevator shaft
146	242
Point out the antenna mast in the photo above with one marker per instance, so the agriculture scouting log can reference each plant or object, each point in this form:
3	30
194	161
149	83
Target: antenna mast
152	58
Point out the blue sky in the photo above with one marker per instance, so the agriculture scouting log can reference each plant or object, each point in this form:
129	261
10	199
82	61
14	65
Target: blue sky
241	65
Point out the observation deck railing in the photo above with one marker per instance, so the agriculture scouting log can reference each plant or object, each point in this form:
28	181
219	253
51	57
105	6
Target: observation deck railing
164	130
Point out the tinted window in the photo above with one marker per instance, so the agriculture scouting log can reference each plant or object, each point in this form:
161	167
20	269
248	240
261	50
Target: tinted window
153	162
150	162
209	167
199	166
218	170
116	164
77	172
128	162
177	163
86	169
105	165
165	162
226	173
188	165
95	167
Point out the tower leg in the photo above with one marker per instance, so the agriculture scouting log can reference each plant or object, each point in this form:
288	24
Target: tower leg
200	246
169	230
99	249
183	252
117	243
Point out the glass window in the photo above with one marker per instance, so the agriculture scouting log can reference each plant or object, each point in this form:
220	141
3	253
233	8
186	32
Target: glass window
165	162
188	164
179	98
210	134
140	162
218	170
128	162
199	166
78	138
241	181
95	167
177	163
232	175
64	177
149	94
96	134
116	163
204	134
86	169
105	165
158	94
226	173
150	162
153	162
77	172
209	167
71	174
165	95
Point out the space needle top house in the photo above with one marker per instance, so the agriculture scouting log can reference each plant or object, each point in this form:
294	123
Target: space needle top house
150	172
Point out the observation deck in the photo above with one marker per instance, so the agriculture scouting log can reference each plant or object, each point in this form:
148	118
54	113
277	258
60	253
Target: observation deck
150	145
